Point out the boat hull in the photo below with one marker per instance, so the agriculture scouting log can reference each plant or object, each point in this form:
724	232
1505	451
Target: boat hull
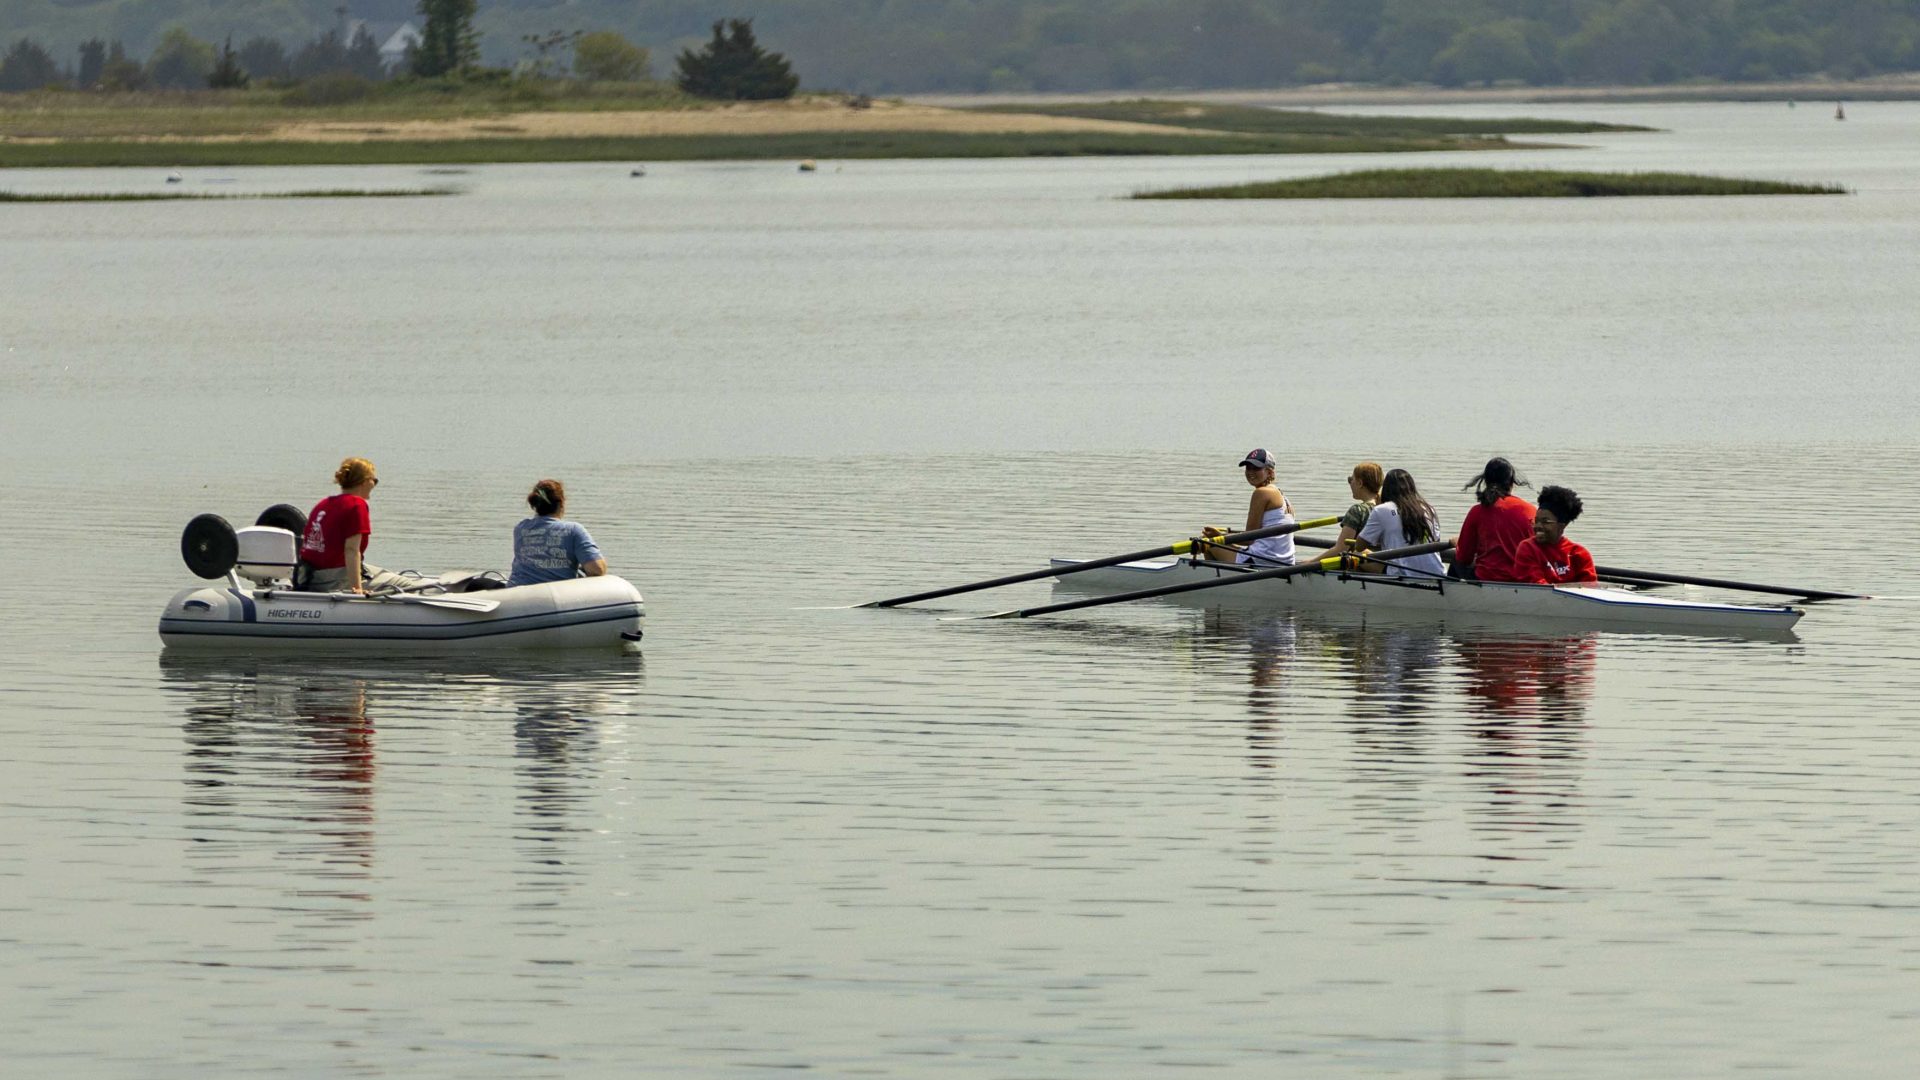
580	613
1472	601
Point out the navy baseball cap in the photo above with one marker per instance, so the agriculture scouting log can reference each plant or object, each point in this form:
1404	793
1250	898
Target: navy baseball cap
1259	459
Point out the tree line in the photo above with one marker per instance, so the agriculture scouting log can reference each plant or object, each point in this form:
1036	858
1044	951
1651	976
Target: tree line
898	46
183	62
732	65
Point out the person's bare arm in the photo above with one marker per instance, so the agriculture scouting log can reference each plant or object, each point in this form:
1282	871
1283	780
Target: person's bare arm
354	582
1257	509
596	568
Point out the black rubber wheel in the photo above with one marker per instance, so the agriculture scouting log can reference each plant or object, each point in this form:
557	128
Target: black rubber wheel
209	546
284	516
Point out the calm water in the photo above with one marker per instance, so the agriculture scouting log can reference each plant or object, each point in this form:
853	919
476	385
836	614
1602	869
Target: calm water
1140	840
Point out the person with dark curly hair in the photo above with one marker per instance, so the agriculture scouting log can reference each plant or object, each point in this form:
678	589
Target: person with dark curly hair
1548	557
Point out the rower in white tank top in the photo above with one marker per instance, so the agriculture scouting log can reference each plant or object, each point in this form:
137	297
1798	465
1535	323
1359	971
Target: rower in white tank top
1272	550
1259	468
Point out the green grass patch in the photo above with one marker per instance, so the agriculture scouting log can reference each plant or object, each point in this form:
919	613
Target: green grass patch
188	196
1250	120
793	146
1491	184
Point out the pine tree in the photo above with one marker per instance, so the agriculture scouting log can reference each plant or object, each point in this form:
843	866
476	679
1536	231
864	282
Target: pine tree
93	61
27	66
227	74
734	67
448	45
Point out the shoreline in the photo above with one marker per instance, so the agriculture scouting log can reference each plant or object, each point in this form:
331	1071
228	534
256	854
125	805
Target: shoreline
1885	88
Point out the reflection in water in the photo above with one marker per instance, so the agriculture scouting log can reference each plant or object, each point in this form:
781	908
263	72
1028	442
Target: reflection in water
557	753
1410	685
282	771
281	762
1531	697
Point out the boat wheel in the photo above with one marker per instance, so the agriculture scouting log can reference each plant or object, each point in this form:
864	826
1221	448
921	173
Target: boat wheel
209	546
284	516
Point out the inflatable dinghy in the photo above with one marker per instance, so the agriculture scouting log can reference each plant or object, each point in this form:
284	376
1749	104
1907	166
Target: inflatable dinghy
252	603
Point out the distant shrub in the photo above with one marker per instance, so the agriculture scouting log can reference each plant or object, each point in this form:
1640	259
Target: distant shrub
605	56
333	88
180	62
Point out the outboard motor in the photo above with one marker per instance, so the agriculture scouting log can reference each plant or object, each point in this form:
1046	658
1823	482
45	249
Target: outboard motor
265	554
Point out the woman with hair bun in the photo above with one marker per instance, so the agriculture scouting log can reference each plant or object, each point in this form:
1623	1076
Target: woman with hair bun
1548	557
332	554
546	548
1495	526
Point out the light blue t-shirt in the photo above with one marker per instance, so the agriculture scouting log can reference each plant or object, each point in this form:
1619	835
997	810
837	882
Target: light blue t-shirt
549	549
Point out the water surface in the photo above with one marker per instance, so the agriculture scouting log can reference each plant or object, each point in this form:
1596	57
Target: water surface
1152	839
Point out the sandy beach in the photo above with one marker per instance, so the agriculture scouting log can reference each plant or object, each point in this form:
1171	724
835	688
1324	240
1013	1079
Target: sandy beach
803	116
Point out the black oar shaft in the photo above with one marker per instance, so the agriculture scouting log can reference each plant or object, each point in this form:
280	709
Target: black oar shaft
1212	583
1095	564
1610	572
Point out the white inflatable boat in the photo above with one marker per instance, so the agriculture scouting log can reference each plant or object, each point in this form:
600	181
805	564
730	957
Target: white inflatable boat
250	603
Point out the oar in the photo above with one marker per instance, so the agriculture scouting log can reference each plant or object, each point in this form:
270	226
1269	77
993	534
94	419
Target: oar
1216	583
1180	548
474	604
1614	573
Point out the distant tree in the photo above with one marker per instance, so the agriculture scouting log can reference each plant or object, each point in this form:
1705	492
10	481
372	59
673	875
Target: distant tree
227	74
320	56
181	61
363	56
265	59
93	61
448	44
1490	52
27	66
605	56
548	48
1637	41
733	67
120	72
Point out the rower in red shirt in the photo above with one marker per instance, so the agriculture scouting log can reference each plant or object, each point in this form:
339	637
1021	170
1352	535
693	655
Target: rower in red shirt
1495	526
1548	557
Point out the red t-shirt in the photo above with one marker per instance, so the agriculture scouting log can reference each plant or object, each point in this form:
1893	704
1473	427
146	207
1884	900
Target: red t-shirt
1565	563
335	518
1490	535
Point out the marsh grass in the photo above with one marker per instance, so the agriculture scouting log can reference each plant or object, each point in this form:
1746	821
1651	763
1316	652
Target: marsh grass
188	196
789	146
1250	120
1492	184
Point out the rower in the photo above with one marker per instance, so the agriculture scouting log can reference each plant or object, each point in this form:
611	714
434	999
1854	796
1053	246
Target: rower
1495	526
1403	519
1363	483
1548	557
1267	509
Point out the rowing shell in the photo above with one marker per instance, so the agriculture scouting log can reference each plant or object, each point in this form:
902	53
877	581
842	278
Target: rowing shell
1589	605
